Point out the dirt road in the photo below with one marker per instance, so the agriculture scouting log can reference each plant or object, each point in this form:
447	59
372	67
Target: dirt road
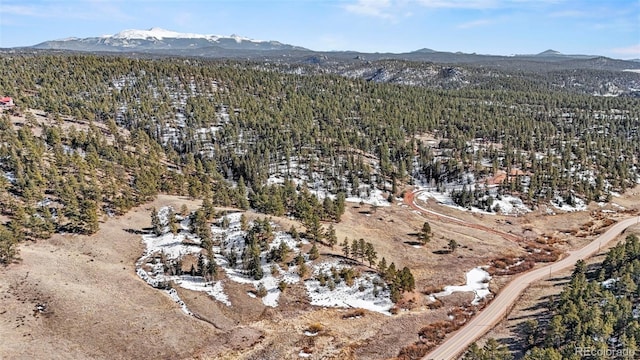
410	199
497	309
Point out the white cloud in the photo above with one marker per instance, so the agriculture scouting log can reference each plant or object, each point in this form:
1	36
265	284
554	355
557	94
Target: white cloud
474	24
390	8
570	14
460	4
633	50
18	10
84	10
374	8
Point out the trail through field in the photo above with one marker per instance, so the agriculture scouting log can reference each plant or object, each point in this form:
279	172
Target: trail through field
410	199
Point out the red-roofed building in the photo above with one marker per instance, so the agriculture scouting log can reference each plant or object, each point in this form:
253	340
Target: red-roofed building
6	101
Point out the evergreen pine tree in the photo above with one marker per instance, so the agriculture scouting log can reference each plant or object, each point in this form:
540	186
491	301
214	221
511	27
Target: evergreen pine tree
345	247
370	253
331	236
313	252
156	225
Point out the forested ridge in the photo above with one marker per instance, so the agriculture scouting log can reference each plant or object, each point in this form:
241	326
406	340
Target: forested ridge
233	132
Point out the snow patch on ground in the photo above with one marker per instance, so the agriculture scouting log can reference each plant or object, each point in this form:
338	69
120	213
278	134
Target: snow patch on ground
607	284
171	247
348	296
233	242
375	198
197	283
509	205
10	176
477	282
173	294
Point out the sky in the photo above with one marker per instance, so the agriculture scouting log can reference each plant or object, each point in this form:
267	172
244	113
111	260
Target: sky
501	27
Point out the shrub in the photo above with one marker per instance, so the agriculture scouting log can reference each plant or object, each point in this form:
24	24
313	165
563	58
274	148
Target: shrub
274	270
332	285
414	351
315	327
261	291
358	313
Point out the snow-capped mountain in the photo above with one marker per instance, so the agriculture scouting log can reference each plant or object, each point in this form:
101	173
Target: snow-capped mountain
160	34
158	39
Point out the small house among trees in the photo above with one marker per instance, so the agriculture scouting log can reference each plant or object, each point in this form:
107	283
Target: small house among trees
6	102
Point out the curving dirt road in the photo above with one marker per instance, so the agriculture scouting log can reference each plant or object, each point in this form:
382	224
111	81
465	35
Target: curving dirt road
498	308
409	199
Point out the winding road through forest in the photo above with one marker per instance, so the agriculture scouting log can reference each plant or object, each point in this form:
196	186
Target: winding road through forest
498	308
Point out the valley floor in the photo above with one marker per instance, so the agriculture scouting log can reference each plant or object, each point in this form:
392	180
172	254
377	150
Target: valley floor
80	297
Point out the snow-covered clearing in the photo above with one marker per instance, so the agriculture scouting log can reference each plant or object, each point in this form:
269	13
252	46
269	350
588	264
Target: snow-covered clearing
375	198
362	294
507	204
477	282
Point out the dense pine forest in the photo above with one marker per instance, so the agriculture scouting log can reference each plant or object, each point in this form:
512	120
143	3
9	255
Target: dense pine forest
249	135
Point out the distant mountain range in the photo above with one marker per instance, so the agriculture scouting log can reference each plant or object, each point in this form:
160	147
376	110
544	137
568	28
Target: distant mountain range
161	42
157	39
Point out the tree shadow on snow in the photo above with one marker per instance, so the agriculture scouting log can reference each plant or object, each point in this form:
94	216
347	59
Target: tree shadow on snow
138	231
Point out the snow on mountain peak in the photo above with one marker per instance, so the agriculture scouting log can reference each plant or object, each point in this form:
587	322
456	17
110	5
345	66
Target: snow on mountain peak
160	33
239	38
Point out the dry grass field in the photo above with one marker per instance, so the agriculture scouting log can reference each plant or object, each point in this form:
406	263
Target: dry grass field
533	303
96	307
